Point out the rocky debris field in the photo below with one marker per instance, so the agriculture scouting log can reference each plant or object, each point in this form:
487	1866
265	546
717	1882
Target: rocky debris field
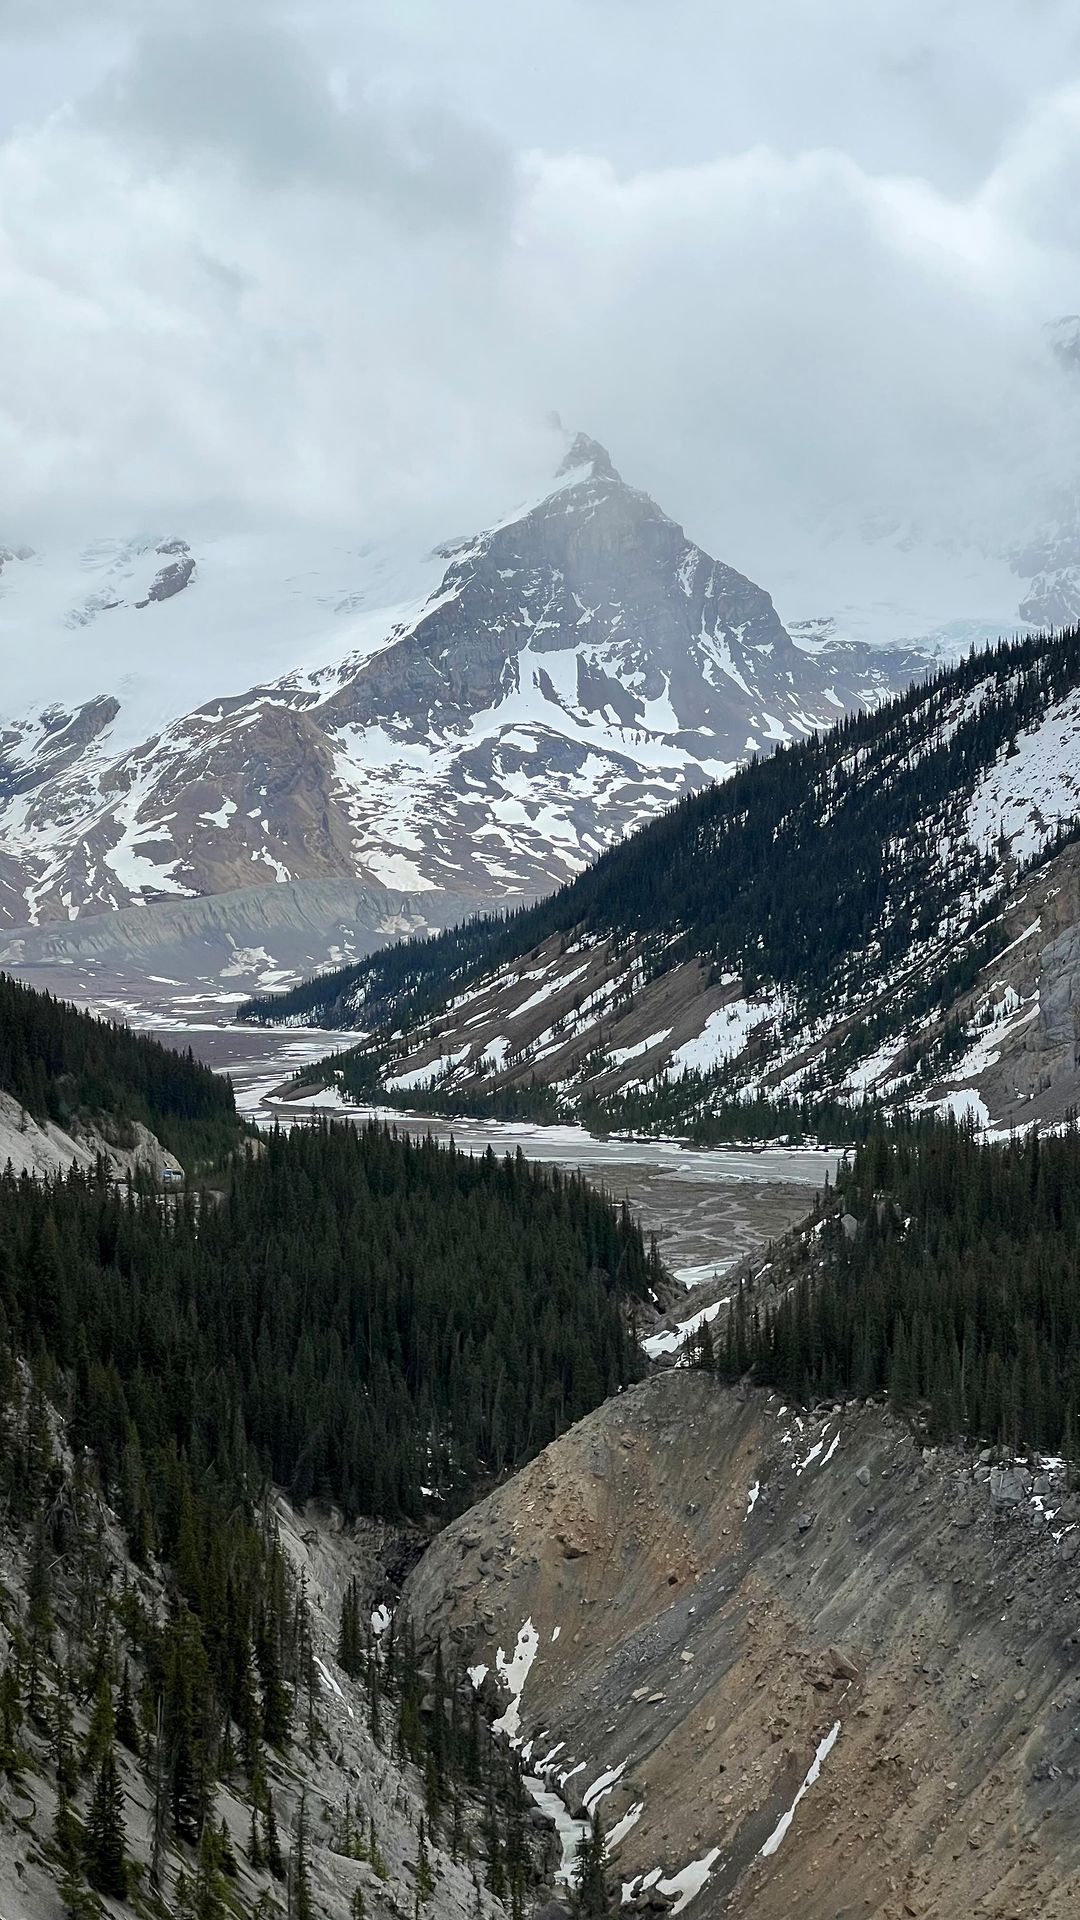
799	1664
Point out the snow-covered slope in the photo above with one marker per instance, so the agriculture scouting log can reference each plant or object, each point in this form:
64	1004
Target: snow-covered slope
163	625
894	911
486	717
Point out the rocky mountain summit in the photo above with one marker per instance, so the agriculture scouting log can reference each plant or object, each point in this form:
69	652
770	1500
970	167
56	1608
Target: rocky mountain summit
484	719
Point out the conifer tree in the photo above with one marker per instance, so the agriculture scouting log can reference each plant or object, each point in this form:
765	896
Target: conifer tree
425	1879
127	1726
301	1905
349	1639
68	1841
274	1857
101	1730
590	1885
106	1859
63	1748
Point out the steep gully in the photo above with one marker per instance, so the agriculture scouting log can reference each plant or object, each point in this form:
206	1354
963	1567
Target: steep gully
793	1661
797	1663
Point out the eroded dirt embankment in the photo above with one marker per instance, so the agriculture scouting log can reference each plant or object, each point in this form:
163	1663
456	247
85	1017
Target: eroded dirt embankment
703	1642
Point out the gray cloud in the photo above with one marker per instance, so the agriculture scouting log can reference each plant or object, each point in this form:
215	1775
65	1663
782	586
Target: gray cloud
252	96
793	263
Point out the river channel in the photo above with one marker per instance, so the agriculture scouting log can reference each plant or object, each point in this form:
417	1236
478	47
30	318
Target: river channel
707	1208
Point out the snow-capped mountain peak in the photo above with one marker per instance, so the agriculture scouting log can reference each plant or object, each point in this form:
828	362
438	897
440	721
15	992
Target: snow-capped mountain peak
484	717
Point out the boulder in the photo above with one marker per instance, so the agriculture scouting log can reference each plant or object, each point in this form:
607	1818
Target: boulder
840	1666
1009	1486
573	1549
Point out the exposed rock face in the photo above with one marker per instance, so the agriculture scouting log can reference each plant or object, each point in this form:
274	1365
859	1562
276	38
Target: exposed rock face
43	1149
58	741
486	725
345	1761
596	579
235	941
1035	1072
172	578
899	1676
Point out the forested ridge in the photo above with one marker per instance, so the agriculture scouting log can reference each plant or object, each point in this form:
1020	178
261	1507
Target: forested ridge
381	1323
804	868
357	1315
689	1105
956	1291
64	1065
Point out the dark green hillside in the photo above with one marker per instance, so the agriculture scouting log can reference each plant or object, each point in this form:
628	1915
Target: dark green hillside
62	1065
959	1293
358	1316
355	1317
800	869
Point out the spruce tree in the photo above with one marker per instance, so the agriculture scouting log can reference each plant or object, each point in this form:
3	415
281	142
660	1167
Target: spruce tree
106	1859
590	1885
127	1726
425	1879
301	1905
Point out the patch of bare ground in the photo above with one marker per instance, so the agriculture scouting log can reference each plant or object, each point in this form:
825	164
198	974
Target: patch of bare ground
716	1586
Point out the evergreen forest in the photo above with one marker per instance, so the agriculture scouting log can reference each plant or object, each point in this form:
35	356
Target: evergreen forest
64	1065
356	1316
378	1323
955	1290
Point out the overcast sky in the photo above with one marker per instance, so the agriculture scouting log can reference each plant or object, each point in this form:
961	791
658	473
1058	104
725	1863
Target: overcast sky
340	260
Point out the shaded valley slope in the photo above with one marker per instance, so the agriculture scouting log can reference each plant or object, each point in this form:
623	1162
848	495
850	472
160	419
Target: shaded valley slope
888	910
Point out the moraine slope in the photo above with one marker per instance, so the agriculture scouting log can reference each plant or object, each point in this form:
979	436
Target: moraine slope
797	1661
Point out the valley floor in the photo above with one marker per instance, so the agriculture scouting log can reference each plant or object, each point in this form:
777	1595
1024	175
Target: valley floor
707	1208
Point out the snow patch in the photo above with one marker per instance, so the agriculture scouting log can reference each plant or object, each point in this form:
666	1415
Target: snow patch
725	1034
602	1785
687	1884
622	1827
571	1832
675	1337
825	1747
513	1673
